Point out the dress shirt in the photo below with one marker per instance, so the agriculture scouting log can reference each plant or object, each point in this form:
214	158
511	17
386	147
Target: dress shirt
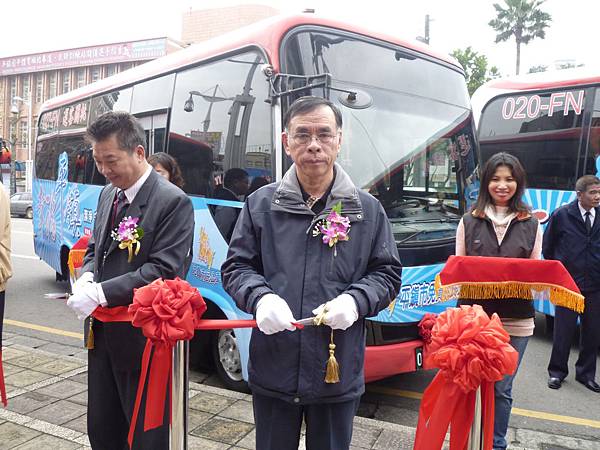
583	211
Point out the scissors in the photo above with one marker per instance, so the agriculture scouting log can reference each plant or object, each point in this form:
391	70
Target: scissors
58	295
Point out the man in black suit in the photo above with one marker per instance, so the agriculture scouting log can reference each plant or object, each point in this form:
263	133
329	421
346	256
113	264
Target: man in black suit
166	216
572	236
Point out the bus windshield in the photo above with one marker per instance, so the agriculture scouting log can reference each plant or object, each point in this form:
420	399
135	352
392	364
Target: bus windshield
408	139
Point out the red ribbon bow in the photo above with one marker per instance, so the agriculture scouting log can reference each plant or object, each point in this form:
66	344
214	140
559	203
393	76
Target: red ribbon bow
471	350
167	311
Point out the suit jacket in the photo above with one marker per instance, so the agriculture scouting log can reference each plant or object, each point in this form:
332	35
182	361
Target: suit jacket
566	240
167	218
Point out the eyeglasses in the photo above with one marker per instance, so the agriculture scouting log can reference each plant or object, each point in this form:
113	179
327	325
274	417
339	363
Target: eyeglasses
305	138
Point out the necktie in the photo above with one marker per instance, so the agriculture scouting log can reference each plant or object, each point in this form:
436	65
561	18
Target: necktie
588	222
118	208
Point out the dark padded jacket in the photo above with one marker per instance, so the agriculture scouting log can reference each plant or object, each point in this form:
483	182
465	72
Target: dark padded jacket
273	250
566	240
518	242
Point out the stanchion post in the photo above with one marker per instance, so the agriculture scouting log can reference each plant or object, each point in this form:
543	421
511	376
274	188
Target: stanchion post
179	397
476	434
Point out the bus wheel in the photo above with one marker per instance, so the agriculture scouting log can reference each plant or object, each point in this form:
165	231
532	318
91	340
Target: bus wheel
228	362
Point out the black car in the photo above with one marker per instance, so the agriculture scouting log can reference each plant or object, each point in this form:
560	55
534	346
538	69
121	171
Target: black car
21	205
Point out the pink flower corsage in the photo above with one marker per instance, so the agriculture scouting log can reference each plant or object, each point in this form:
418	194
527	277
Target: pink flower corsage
128	234
335	228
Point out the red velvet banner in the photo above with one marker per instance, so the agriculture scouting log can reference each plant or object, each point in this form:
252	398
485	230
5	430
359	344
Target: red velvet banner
482	277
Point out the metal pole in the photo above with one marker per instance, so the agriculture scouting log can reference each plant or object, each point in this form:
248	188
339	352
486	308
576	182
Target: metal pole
476	434
28	171
179	397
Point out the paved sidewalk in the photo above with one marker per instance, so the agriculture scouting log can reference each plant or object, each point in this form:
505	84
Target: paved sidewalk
47	402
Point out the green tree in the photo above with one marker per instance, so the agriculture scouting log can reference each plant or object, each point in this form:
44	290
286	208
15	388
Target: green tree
537	69
475	66
522	19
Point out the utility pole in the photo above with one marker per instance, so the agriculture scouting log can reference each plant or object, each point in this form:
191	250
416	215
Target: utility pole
425	38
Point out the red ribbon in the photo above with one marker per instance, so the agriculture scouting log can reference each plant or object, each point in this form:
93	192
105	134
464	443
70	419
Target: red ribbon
2	386
167	311
471	350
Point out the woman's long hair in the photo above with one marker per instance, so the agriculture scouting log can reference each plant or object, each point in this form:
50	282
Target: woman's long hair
170	165
516	203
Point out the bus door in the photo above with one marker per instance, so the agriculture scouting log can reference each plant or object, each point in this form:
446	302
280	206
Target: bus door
154	126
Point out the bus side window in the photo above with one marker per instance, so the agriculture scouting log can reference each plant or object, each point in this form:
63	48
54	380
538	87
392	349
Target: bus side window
592	163
46	160
219	121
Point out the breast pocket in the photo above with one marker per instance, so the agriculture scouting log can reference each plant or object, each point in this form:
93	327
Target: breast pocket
345	263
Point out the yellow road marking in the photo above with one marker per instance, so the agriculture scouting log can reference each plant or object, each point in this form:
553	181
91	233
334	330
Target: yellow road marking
518	411
33	326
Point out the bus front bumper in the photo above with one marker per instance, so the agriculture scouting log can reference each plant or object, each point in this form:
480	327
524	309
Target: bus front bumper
382	361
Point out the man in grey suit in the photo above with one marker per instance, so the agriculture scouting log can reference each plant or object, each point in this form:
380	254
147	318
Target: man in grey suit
109	277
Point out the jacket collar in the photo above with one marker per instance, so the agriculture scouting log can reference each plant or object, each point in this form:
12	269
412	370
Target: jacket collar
288	196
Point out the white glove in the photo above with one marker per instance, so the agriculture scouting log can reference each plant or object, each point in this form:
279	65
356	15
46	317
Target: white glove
82	281
341	312
86	300
273	314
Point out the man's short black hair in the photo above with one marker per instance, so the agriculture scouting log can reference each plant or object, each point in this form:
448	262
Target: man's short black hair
127	129
233	175
308	104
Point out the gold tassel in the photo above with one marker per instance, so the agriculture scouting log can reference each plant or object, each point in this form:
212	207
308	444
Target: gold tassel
332	375
90	337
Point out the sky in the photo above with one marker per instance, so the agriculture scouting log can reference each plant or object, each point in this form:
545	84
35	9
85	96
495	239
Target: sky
62	24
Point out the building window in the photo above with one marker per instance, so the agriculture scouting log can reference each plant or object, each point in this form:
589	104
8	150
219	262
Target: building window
80	77
96	74
66	81
13	88
126	66
26	87
39	88
52	92
111	70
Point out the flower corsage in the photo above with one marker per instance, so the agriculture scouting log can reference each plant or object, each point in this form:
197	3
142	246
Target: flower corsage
128	234
334	228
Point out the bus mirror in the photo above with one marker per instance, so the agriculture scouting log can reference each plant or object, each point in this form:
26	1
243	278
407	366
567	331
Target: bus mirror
356	99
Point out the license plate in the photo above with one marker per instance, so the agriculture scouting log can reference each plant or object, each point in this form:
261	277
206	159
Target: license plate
419	358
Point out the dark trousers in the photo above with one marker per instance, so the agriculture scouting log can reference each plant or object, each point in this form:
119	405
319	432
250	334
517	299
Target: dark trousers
565	324
278	423
111	399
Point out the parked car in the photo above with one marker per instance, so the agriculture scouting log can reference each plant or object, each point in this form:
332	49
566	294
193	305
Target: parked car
21	205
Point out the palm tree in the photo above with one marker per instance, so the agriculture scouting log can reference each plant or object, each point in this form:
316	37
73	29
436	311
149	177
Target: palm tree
522	19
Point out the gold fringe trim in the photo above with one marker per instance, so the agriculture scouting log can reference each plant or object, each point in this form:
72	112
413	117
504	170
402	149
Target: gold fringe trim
508	289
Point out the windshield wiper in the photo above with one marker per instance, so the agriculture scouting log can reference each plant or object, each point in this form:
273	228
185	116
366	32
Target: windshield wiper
438	220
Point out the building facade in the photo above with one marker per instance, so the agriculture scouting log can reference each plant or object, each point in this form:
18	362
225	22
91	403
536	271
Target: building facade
26	81
200	25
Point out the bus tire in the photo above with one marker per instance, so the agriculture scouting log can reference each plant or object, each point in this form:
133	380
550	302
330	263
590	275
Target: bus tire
227	359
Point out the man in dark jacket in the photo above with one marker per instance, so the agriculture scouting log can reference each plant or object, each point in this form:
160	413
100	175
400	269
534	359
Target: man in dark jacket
279	268
573	237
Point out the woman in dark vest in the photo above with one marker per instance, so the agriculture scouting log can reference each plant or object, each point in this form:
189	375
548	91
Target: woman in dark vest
501	224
